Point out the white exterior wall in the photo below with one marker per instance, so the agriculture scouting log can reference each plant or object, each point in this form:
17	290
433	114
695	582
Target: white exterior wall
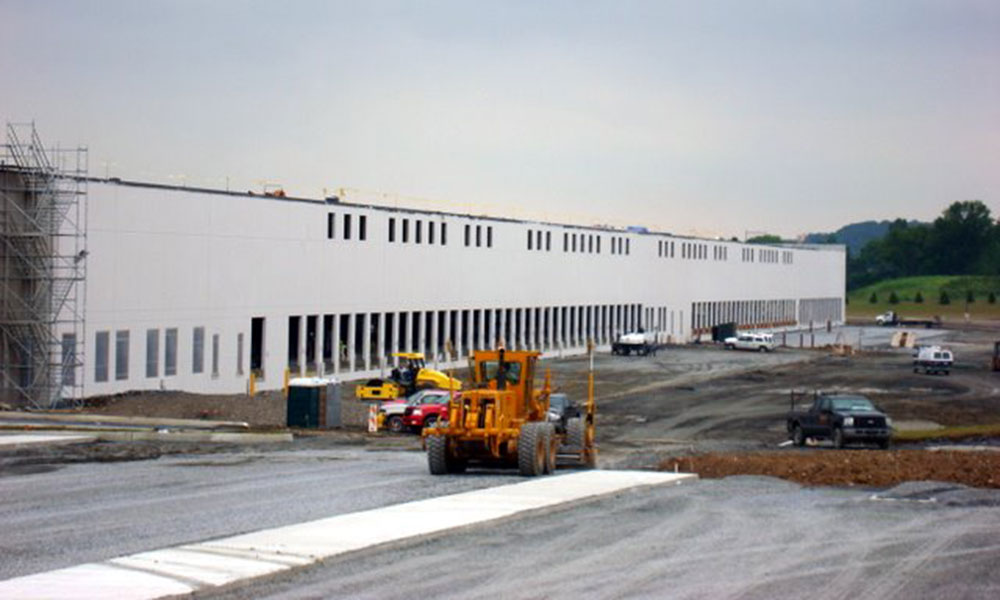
171	258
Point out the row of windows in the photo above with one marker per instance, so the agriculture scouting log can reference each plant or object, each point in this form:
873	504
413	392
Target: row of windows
535	239
418	231
694	251
346	231
102	352
479	230
572	242
768	255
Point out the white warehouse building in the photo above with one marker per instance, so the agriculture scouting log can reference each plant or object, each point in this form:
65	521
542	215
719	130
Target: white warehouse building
195	290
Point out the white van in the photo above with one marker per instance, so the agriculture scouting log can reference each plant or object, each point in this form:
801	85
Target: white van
760	342
933	359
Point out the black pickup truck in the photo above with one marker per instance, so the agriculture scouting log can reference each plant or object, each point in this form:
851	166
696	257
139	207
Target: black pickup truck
841	418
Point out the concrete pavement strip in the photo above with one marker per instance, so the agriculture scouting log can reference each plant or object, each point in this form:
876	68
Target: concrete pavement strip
56	417
193	567
13	441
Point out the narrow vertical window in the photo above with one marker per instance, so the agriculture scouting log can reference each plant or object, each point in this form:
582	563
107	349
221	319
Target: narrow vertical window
598	244
418	227
479	236
392	229
468	230
215	353
565	241
538	240
239	353
170	352
331	222
406	230
121	355
347	227
530	238
430	232
362	227
489	236
198	350
152	353
444	234
101	340
69	359
548	241
628	246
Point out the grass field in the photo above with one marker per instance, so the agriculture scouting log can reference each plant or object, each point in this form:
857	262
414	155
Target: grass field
930	287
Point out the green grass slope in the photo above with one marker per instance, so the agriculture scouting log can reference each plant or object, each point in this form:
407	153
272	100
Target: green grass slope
930	287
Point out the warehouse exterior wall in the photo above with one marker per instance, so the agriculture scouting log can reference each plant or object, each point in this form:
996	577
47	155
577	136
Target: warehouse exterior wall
176	276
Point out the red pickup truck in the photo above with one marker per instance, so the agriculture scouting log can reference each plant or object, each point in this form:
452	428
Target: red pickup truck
426	411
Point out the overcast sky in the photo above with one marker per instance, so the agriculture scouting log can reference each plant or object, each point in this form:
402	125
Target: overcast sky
704	117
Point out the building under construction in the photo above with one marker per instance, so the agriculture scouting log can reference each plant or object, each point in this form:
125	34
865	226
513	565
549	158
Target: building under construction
111	285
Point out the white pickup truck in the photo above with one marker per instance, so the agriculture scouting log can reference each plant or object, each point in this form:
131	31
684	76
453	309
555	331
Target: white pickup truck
638	343
759	342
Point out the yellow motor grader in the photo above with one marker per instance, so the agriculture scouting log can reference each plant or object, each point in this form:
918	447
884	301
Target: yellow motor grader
502	420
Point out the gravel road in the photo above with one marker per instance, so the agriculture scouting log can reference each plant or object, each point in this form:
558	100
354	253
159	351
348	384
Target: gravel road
745	537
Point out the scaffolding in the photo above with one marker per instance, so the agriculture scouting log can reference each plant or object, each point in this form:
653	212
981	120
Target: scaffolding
43	226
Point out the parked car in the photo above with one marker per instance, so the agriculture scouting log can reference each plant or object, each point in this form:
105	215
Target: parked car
391	412
933	359
759	342
427	409
841	418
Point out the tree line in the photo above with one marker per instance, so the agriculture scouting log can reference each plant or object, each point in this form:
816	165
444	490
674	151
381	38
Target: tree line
964	240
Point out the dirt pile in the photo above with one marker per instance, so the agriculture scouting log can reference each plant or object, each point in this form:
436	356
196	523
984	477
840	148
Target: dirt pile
851	467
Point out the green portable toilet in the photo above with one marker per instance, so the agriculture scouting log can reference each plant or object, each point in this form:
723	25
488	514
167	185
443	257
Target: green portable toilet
313	402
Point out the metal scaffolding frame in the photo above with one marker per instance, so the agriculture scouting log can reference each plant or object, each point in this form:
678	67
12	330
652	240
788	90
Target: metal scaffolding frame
43	236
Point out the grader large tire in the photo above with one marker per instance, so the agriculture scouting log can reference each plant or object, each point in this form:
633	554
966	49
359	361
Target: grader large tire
576	441
532	447
574	434
437	454
551	447
439	460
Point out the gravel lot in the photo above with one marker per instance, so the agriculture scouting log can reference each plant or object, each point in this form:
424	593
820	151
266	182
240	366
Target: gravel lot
743	537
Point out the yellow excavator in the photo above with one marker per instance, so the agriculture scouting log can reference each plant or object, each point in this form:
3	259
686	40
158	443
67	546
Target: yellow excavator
502	420
411	375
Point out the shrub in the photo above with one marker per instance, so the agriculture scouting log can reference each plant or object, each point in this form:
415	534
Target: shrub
944	299
919	298
893	298
873	298
970	297
992	298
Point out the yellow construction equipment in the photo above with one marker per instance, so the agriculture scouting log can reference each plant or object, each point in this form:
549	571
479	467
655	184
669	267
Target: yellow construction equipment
411	375
504	421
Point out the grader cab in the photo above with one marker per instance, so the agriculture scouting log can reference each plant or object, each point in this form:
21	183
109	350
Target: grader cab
502	420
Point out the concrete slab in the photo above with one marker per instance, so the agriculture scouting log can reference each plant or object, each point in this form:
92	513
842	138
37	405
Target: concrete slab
189	568
13	441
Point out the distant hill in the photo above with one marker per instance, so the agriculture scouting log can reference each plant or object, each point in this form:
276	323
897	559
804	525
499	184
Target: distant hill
855	235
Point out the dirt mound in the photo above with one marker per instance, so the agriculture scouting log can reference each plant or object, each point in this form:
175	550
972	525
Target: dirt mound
266	409
851	467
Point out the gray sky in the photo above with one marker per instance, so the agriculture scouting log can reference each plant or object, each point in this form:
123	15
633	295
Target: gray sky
704	117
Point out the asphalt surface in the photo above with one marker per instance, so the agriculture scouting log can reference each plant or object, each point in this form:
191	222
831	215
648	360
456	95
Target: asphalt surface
743	537
58	516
